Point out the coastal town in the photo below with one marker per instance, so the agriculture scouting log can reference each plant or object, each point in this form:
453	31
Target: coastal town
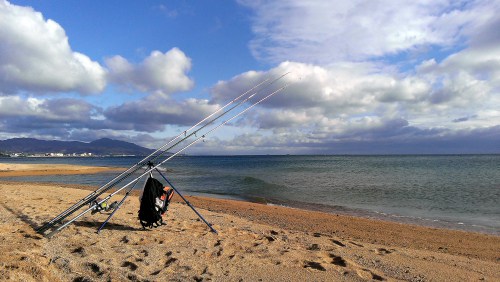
45	155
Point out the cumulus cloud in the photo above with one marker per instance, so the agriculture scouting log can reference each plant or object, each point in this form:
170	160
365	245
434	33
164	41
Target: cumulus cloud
35	56
161	73
347	88
362	102
350	92
153	113
60	110
323	32
40	116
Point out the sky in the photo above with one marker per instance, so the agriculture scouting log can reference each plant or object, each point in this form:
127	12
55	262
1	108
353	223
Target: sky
365	77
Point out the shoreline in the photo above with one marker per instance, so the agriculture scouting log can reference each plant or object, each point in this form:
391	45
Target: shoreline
390	233
337	210
369	214
482	225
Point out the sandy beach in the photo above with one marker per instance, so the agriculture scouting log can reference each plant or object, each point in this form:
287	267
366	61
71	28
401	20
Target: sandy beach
7	169
255	242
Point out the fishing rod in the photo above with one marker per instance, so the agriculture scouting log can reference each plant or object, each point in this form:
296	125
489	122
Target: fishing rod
129	171
151	157
173	187
57	230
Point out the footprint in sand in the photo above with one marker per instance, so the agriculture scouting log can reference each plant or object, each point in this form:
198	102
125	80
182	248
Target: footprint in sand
270	238
273	232
29	236
313	265
204	276
62	263
367	274
95	268
314	247
338	243
382	251
133	277
338	260
125	240
80	251
82	279
218	253
170	261
156	272
356	244
132	266
364	273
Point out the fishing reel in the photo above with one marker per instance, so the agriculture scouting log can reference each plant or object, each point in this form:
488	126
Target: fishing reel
104	206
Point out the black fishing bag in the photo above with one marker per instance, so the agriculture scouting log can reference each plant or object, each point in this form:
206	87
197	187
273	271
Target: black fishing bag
154	203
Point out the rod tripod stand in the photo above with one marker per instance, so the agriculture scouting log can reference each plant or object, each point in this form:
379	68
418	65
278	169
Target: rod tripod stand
95	203
151	165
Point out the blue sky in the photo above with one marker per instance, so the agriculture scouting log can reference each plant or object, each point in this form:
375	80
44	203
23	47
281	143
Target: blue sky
367	77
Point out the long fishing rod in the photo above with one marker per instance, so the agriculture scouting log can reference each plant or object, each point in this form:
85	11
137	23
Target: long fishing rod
128	172
135	167
57	230
173	187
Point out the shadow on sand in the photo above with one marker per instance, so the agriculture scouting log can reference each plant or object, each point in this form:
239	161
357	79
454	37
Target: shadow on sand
34	225
108	226
24	218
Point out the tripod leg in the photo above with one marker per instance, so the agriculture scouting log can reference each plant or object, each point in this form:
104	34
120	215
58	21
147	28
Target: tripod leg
121	202
118	206
188	203
57	230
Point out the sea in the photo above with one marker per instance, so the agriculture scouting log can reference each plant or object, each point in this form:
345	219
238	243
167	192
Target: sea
442	191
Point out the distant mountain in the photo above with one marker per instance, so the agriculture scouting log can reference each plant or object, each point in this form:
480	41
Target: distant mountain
104	146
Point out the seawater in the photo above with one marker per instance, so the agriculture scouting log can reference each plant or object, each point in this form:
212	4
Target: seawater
451	191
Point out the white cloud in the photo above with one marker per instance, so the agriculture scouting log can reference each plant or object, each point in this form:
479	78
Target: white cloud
63	110
35	56
161	73
323	32
154	112
362	101
347	88
15	106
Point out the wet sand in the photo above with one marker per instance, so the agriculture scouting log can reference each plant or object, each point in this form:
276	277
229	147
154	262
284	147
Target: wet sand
7	169
255	242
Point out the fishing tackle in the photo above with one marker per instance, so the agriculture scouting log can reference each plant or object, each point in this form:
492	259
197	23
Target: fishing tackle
92	197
